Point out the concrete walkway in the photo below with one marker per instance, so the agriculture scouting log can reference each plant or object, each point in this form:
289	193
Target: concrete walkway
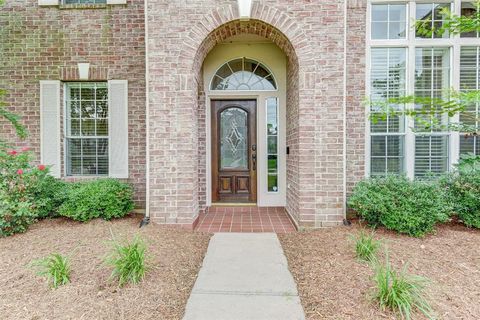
244	276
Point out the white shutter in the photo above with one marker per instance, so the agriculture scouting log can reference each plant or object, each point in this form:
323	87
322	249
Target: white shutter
118	128
50	149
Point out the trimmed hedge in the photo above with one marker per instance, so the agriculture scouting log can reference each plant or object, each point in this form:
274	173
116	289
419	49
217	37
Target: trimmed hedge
103	198
463	190
397	203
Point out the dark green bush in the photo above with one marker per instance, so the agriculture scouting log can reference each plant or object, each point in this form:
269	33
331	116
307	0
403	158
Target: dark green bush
49	195
463	190
410	207
103	198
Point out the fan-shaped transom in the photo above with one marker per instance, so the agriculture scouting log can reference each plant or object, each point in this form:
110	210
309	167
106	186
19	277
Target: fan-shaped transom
243	74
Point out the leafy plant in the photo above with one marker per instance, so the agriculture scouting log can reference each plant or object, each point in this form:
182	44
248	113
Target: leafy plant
11	117
463	190
399	291
410	207
451	23
128	261
55	267
20	190
428	112
103	198
366	246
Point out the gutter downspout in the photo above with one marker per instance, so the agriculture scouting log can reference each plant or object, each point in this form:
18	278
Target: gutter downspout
146	218
345	8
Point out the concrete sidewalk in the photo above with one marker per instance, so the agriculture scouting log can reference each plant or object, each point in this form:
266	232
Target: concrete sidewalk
244	276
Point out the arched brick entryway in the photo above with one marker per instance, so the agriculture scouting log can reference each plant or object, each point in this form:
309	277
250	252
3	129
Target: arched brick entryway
177	180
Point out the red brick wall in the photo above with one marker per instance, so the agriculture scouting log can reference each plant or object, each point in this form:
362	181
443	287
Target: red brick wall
46	43
315	32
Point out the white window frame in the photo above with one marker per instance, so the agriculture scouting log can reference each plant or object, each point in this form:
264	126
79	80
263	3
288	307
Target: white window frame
454	42
66	135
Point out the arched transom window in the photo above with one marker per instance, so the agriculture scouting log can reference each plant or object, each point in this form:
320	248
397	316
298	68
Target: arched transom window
243	74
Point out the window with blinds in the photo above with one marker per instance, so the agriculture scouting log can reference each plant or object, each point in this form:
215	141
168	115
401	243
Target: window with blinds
387	80
87	128
432	77
469	80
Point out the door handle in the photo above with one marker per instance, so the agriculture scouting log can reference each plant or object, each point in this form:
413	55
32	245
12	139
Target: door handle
254	161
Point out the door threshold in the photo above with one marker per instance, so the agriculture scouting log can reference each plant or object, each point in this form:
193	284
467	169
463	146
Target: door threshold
234	204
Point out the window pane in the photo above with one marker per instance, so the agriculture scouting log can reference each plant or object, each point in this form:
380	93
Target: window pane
87	117
431	155
388	81
272	183
386	155
470	80
432	77
431	13
272	143
388	21
468	10
380	30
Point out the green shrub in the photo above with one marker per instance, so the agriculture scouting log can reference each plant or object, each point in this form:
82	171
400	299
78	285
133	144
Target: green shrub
103	198
463	190
366	246
399	291
20	183
410	207
128	261
55	267
49	195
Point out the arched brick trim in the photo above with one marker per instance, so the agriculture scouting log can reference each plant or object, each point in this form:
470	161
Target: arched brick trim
279	28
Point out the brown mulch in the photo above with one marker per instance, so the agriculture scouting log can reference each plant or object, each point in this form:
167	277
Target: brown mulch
333	284
176	256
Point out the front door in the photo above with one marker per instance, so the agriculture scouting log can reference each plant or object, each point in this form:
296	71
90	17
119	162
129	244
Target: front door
234	151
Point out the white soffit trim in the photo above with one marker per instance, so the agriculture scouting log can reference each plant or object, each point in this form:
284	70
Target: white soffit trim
244	8
48	2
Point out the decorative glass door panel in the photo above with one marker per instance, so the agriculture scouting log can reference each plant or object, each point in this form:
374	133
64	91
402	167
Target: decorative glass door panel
234	151
234	139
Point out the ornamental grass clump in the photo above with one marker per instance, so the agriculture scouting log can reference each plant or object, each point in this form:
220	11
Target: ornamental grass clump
128	261
400	291
55	267
366	246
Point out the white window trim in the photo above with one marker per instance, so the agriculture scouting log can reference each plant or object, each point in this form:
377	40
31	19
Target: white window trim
454	43
66	136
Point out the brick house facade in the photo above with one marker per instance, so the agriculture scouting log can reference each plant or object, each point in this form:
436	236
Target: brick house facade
161	54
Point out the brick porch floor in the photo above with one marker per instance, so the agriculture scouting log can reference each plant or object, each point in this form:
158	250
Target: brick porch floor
245	219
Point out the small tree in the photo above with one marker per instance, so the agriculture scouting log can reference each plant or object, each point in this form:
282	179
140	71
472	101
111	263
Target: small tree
429	112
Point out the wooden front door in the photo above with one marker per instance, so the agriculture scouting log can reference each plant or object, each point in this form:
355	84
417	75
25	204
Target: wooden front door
234	151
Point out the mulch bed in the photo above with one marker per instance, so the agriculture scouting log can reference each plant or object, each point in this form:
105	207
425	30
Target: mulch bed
333	284
176	257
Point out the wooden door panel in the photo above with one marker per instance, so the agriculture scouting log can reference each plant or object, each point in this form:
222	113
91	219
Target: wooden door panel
225	185
242	184
234	176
